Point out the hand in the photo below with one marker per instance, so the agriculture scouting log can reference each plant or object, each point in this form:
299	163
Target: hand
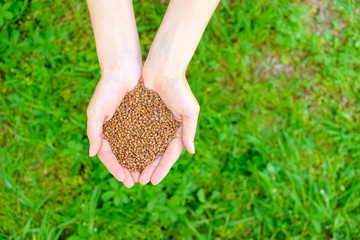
176	94
107	97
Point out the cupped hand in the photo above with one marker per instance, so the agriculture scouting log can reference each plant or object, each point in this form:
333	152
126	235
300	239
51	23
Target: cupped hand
107	97
177	96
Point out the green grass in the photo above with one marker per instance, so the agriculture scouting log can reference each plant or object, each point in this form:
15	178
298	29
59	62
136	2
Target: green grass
278	141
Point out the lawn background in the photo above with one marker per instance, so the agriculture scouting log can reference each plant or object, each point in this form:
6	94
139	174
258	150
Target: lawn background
278	140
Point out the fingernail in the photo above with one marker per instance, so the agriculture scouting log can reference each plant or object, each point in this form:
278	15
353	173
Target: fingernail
143	183
91	150
128	185
193	148
155	182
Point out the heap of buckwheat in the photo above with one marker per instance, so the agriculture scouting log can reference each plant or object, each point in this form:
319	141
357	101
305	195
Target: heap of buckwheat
141	128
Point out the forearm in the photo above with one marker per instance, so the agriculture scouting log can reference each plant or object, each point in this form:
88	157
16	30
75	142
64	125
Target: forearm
116	37
180	33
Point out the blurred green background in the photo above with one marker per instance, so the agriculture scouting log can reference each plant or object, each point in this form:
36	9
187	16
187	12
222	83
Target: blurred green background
278	141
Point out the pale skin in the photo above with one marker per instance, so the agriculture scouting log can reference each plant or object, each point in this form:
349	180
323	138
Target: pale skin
119	54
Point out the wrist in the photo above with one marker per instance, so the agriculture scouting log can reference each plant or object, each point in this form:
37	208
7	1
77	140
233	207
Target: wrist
164	71
121	61
166	58
119	71
163	68
121	75
154	77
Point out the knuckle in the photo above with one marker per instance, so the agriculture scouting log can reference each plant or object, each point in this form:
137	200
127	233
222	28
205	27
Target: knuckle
88	133
89	111
192	111
197	108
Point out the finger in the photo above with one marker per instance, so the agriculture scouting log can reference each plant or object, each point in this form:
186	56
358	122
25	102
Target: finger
188	131
94	130
110	161
135	176
169	158
148	171
128	182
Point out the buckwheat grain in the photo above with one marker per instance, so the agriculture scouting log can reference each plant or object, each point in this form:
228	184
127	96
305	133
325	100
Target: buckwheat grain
141	128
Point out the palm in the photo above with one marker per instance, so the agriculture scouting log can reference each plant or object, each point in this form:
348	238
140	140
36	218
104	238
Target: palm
181	102
107	97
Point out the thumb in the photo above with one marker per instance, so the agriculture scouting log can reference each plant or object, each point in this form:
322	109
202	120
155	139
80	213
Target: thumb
94	131
189	129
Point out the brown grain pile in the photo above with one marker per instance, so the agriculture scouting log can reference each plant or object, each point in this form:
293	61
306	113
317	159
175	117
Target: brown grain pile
140	129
